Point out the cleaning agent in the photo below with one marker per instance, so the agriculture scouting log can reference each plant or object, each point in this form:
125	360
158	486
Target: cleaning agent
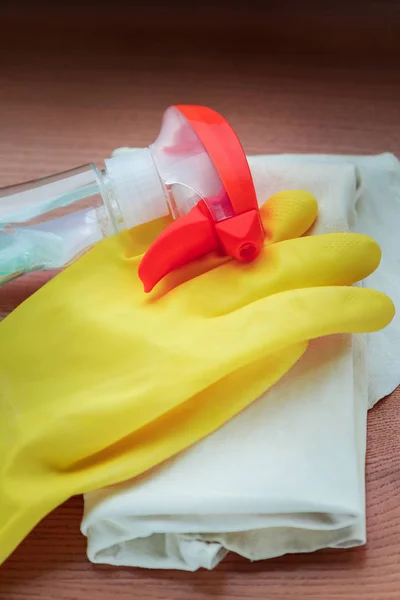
196	171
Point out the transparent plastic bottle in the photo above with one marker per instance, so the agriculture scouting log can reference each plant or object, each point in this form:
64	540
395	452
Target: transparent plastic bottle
48	223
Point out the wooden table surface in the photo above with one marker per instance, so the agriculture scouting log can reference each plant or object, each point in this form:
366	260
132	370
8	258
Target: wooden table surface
73	89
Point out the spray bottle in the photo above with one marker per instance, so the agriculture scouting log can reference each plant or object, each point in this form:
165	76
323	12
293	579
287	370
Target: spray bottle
196	171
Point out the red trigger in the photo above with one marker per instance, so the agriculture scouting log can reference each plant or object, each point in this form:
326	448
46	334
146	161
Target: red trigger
187	238
195	235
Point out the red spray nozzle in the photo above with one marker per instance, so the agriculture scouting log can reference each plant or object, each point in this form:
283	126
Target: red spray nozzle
225	219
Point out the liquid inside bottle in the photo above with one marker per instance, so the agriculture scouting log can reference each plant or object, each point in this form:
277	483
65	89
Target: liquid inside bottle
48	223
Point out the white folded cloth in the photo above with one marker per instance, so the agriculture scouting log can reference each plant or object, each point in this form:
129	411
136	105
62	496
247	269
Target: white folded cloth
287	474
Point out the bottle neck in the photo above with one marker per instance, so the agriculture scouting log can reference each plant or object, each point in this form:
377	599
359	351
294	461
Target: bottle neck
133	190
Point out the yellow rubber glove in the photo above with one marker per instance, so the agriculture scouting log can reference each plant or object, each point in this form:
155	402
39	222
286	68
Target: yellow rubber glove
100	382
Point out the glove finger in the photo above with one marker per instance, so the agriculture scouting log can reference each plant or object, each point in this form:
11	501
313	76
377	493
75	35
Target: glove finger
284	319
313	261
288	214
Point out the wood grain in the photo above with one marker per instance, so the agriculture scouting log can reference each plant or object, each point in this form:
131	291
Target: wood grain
73	89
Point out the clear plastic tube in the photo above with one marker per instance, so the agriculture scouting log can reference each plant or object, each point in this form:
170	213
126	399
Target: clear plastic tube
45	224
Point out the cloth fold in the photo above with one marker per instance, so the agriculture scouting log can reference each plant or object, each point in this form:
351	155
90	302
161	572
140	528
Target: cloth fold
287	474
